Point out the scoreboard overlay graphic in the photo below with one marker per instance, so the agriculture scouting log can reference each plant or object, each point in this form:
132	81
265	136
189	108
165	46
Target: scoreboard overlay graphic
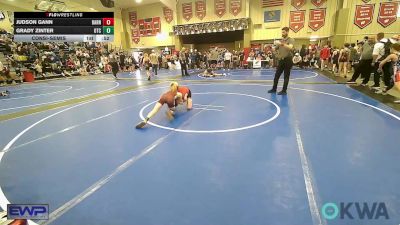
64	26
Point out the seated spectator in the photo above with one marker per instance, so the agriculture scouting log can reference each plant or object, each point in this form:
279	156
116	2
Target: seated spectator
306	61
6	74
297	59
83	71
37	68
71	64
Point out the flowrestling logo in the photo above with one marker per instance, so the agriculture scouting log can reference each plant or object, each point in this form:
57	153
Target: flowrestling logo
355	210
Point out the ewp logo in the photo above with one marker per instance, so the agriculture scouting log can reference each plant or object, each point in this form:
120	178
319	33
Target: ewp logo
35	212
375	211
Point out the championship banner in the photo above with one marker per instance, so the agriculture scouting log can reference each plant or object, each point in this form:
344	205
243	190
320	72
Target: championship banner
387	13
187	11
296	20
318	3
220	7
200	9
133	18
298	3
135	36
168	14
316	19
235	7
364	15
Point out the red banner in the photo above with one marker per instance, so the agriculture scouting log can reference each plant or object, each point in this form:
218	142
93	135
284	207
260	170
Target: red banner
387	13
133	18
220	7
316	19
135	36
168	14
235	7
149	26
296	20
187	11
200	9
318	3
364	15
298	3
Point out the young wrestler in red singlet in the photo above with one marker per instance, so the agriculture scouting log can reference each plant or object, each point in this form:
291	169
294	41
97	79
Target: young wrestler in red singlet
176	95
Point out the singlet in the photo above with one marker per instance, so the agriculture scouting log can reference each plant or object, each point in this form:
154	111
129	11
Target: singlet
167	98
183	90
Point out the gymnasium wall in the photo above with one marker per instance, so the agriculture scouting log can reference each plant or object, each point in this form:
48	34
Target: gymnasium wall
352	33
118	30
5	24
149	11
272	30
210	12
206	47
339	25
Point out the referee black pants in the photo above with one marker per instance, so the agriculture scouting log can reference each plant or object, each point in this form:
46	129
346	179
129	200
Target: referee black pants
284	65
184	69
154	68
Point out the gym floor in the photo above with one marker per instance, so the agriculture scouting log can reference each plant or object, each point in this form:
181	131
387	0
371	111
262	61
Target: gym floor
242	156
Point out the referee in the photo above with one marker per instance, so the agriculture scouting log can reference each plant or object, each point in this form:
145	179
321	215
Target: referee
284	55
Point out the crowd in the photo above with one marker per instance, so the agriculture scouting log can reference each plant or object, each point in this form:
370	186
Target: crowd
51	59
63	59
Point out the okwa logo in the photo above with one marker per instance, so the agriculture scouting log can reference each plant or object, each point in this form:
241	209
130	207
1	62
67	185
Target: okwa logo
355	210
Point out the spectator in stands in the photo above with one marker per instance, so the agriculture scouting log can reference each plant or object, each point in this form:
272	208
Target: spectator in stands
154	61
317	56
241	59
306	61
335	60
37	68
344	58
3	79
386	63
297	60
147	65
122	61
114	67
250	59
199	59
227	60
325	54
83	71
353	55
214	57
235	60
364	67
377	54
161	61
313	61
6	75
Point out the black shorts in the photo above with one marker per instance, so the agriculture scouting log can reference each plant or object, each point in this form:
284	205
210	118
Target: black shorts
189	94
213	61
